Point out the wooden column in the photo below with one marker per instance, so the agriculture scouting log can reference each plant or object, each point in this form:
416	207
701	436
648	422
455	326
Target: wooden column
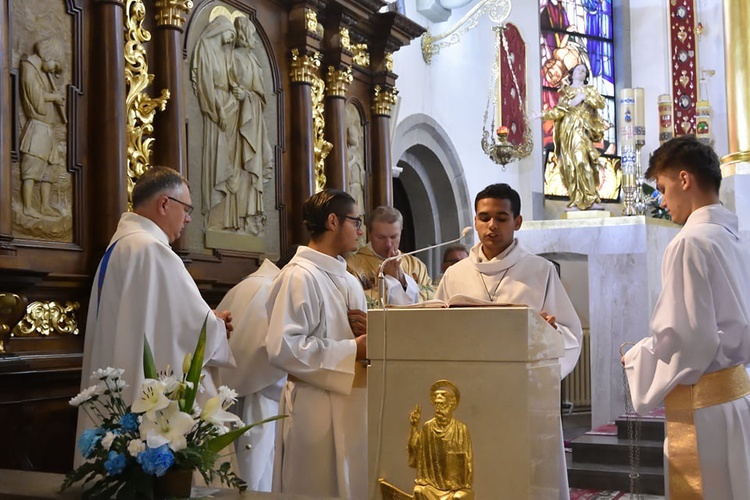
382	168
6	221
107	193
337	82
170	139
302	72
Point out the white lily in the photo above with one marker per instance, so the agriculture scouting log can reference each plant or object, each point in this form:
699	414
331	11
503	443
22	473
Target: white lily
169	427
151	398
228	396
215	414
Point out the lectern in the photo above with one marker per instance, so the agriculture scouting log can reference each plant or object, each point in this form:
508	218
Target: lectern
504	361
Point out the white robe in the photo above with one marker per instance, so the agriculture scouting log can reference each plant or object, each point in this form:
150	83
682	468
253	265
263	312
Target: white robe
701	324
146	289
257	383
321	446
519	277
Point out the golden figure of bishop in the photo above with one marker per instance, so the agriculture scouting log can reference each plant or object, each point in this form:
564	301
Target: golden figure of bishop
577	127
441	449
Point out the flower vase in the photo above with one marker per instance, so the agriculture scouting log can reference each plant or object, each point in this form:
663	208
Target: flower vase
175	483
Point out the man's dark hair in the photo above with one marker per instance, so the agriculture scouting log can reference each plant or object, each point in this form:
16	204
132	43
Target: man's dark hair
455	247
319	206
687	153
156	180
500	192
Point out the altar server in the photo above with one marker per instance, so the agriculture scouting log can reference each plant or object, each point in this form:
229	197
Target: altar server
499	269
316	333
696	357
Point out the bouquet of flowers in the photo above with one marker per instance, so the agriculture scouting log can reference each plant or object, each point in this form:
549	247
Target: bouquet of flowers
164	430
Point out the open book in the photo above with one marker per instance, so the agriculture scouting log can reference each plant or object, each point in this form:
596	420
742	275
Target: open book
454	301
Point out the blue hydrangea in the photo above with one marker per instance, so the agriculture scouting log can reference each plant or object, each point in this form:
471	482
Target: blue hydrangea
115	463
88	441
129	422
156	461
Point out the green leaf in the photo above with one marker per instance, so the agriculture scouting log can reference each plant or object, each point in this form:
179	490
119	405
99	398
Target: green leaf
220	442
149	365
196	365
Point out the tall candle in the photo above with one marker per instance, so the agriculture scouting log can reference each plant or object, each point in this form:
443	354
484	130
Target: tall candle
666	130
640	116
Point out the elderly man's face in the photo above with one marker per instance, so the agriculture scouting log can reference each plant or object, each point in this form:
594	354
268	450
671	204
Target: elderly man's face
385	238
444	404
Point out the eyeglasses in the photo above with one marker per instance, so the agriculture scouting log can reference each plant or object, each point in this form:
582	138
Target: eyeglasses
357	220
188	208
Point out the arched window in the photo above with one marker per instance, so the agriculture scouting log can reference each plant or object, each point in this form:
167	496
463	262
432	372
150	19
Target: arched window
576	32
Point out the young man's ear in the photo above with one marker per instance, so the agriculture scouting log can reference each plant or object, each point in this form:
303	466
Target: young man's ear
686	179
332	221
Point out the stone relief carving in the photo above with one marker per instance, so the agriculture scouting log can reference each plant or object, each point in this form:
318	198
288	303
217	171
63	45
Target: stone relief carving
355	156
237	159
42	187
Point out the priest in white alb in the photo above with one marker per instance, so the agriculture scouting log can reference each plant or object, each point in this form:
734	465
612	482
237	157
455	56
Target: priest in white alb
697	356
500	270
317	333
142	288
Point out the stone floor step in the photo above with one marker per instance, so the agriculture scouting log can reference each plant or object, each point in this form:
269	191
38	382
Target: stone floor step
615	477
653	429
596	449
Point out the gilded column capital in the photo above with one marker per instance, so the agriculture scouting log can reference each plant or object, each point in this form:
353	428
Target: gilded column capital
304	68
172	12
337	81
361	55
383	99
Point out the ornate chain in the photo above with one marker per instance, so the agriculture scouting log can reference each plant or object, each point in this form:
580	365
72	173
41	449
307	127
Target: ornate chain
634	436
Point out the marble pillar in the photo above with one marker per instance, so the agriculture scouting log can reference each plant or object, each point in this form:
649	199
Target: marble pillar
624	256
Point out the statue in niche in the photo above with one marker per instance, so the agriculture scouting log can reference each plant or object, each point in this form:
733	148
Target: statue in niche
41	159
212	83
355	158
441	449
578	126
253	156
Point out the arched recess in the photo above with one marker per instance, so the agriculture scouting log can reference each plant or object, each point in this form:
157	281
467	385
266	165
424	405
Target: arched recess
434	182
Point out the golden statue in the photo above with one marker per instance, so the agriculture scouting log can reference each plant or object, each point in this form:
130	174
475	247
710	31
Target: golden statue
577	127
441	449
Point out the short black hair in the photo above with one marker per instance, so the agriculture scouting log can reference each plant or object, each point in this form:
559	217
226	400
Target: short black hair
156	179
319	206
285	257
500	192
687	153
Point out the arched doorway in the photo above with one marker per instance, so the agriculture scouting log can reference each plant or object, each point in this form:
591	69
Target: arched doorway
430	187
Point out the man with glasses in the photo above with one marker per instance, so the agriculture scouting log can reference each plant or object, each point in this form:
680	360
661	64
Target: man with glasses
406	279
143	288
317	332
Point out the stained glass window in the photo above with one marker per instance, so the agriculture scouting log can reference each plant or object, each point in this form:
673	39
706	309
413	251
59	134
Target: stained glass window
577	32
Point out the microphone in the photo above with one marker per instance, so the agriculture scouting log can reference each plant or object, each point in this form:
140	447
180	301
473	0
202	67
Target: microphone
381	277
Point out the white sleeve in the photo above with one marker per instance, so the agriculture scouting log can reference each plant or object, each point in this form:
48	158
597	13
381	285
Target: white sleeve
558	304
300	342
396	293
684	331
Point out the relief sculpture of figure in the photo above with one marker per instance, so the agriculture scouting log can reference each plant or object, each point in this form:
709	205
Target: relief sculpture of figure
577	127
211	77
39	146
356	164
441	450
253	156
